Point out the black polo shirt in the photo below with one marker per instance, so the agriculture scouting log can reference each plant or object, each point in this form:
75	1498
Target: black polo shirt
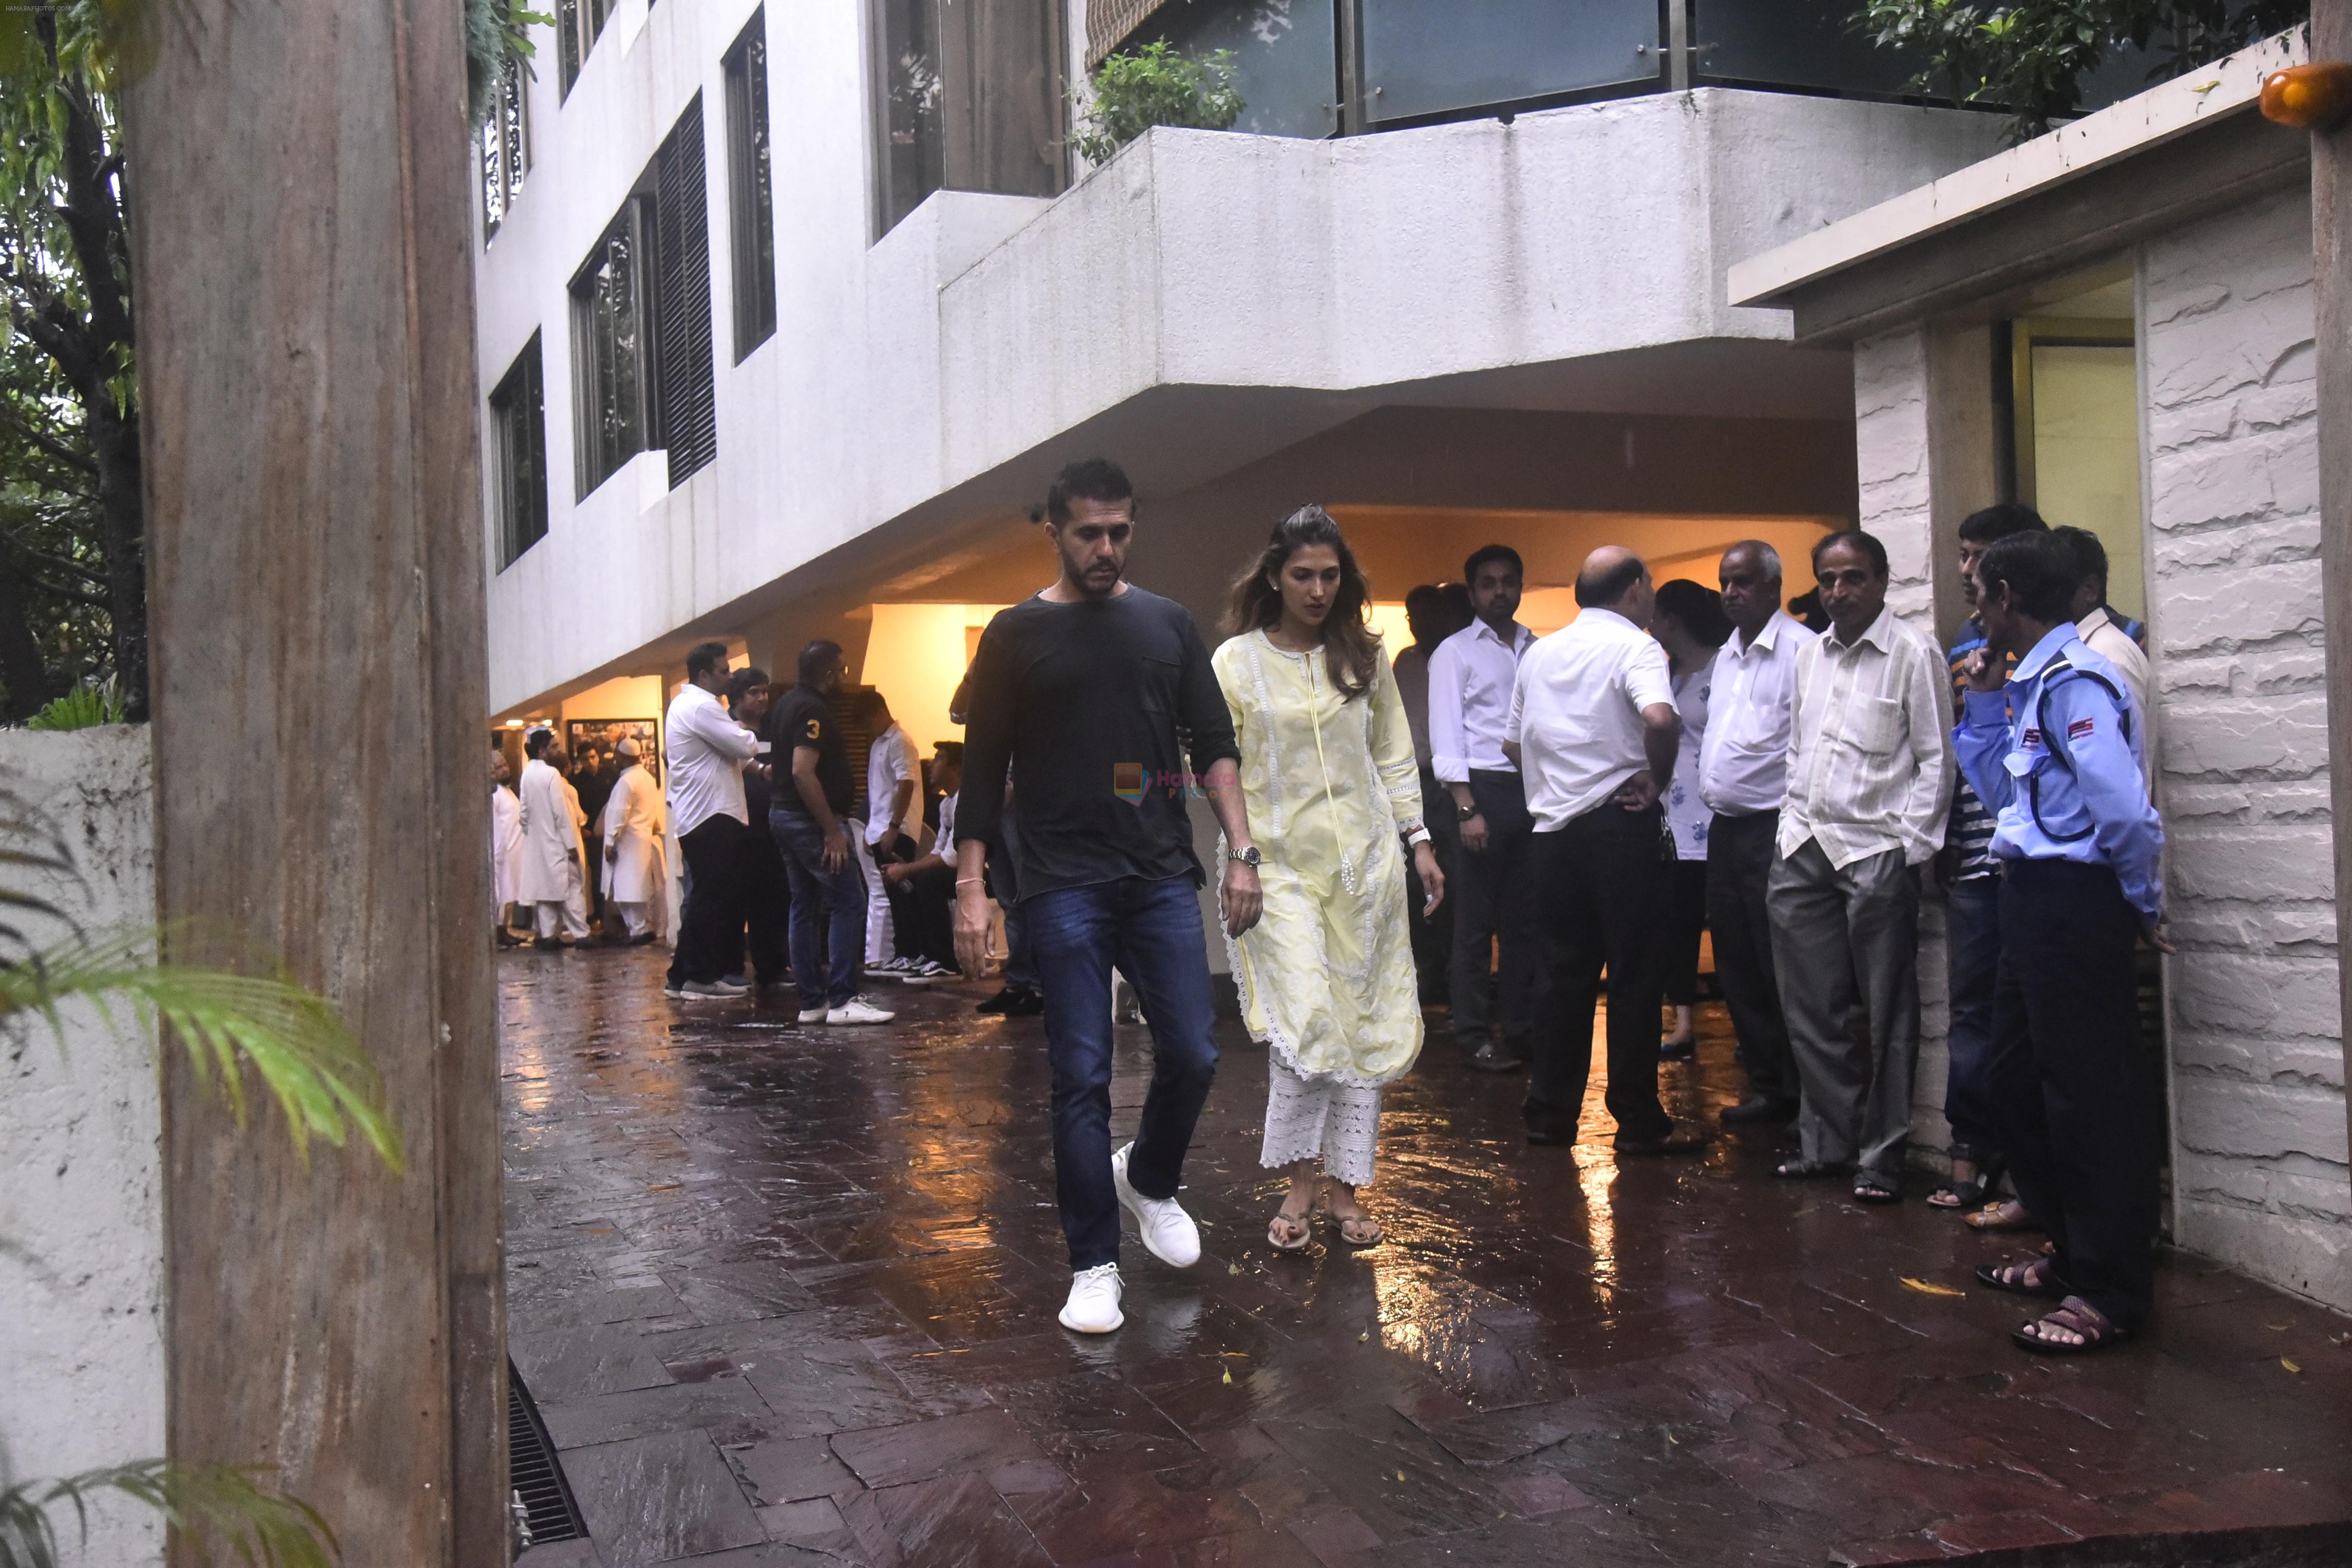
801	718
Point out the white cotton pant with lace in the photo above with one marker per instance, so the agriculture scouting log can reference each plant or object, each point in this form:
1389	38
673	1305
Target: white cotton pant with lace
1307	1117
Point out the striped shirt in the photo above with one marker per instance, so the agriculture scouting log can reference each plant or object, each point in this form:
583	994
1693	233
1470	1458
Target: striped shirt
1971	829
1870	754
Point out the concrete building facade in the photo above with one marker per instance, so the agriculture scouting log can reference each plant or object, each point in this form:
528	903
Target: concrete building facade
1512	324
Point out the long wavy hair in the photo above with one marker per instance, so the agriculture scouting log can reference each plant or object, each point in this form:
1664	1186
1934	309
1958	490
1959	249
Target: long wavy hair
1351	648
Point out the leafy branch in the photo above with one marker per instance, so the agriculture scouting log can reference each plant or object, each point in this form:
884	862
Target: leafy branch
2030	56
202	1503
1136	90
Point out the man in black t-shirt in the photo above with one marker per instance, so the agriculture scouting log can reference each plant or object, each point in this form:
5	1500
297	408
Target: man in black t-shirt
1079	693
807	816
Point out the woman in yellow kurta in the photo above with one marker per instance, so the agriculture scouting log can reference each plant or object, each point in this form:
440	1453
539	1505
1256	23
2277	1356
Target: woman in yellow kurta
1332	790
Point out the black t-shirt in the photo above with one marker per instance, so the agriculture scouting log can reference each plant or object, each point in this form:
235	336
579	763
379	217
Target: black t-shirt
1081	702
801	718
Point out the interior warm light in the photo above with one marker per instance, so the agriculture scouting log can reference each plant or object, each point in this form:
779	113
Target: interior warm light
2309	98
514	725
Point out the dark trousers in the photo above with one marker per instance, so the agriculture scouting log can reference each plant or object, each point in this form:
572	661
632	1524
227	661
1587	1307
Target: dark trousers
715	854
828	920
1495	905
1151	930
922	914
1433	930
1973	932
1605	889
1004	887
1739	854
1686	923
2075	1113
767	907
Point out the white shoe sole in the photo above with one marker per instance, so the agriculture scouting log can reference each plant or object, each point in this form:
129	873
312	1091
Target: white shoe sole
1118	1321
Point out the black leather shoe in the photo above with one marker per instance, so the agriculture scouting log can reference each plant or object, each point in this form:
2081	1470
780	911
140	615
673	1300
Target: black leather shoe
1027	1005
1761	1107
1493	1058
1675	1143
1000	1003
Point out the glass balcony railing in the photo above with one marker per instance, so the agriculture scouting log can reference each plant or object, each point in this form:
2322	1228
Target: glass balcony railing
1430	60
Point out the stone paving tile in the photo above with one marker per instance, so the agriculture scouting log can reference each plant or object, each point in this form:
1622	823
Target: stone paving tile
808	1279
652	1500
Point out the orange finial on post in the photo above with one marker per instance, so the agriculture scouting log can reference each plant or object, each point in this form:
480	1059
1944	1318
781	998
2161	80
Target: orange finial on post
2309	98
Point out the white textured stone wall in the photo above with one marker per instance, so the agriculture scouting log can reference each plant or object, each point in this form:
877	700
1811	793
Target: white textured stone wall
81	1231
2233	506
1891	452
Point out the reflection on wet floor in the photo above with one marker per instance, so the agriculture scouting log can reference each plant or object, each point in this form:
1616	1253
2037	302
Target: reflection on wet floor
787	1295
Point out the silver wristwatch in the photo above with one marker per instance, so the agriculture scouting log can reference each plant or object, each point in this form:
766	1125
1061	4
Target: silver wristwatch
1248	856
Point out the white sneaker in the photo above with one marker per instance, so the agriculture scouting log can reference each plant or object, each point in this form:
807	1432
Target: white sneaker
857	1010
813	1014
1093	1306
1169	1233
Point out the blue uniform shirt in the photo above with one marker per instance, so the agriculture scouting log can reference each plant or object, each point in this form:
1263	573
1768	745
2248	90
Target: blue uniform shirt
2078	791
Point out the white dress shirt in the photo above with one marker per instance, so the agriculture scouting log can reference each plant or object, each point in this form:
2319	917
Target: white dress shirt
890	759
1471	676
1687	818
1869	764
707	753
1576	713
2112	643
1743	763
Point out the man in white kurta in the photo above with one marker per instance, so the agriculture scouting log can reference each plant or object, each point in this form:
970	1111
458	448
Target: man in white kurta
505	845
637	870
548	868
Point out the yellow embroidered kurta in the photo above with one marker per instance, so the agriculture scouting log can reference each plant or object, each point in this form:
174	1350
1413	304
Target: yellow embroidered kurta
1326	976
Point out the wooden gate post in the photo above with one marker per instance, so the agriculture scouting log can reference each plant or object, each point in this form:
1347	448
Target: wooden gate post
303	269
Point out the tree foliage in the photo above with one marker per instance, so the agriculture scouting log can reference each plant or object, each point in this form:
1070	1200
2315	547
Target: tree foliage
2032	57
73	579
1136	89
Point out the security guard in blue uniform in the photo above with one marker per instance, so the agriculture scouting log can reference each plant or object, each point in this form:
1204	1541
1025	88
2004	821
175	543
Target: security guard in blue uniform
2055	751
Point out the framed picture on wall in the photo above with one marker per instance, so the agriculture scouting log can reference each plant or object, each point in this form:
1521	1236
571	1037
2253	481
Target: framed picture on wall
604	734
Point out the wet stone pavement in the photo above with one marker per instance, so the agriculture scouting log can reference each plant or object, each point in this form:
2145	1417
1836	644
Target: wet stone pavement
786	1295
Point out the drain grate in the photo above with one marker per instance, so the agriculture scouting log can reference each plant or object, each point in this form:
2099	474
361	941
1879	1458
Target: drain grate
542	1497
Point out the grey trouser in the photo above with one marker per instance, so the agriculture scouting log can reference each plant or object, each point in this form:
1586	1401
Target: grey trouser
1843	940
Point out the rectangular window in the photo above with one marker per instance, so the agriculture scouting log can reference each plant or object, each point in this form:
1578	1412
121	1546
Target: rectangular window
967	98
751	203
615	391
578	24
519	452
641	322
506	148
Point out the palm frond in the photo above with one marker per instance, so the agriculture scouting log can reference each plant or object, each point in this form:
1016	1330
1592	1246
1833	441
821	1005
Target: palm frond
293	1039
202	1503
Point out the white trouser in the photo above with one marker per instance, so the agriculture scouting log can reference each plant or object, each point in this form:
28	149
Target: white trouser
637	917
881	943
1307	1117
565	917
572	911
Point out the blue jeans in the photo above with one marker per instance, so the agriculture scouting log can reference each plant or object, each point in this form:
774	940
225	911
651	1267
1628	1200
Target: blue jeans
818	894
1151	930
1973	931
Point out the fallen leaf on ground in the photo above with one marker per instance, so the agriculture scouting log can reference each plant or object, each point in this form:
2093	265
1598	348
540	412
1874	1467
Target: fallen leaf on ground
1924	1289
2288	1364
